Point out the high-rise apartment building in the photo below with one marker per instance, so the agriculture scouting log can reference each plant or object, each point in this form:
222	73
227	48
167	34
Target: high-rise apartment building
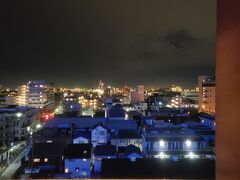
22	95
40	94
206	94
138	95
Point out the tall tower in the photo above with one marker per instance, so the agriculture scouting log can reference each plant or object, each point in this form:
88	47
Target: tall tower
206	94
100	86
126	90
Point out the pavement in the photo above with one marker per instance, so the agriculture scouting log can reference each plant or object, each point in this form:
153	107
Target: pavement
13	166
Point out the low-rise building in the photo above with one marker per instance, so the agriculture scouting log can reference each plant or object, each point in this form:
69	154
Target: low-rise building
47	157
126	137
176	144
77	160
103	152
133	152
82	137
99	135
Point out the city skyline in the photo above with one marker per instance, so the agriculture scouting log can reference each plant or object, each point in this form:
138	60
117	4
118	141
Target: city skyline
105	86
76	44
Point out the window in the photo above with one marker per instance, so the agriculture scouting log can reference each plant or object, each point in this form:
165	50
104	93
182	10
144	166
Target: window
101	132
36	160
66	170
46	160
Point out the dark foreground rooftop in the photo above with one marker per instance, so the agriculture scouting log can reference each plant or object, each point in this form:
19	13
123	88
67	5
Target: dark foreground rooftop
158	169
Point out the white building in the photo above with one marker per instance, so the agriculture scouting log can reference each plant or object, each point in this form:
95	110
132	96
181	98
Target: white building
40	94
18	124
99	135
174	145
127	137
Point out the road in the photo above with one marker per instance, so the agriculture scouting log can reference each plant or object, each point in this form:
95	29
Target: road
12	168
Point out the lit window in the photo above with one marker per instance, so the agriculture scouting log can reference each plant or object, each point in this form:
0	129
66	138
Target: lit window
36	160
46	160
66	170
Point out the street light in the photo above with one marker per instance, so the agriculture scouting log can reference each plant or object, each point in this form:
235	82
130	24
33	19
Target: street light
191	155
38	126
19	114
188	143
162	143
162	155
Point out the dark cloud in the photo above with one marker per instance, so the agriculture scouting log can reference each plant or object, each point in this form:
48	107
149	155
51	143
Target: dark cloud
76	43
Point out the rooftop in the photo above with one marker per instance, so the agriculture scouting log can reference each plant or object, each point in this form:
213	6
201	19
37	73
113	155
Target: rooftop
105	150
81	151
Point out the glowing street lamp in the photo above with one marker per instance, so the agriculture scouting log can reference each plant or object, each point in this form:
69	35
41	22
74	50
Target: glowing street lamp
188	143
162	143
191	155
19	114
38	126
162	155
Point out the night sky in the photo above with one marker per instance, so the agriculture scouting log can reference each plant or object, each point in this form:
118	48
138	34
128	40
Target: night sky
77	43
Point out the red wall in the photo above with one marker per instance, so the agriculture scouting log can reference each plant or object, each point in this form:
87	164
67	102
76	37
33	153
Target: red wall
228	90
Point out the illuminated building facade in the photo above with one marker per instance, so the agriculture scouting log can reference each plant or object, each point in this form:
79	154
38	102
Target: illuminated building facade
109	92
176	102
40	94
88	103
22	95
71	104
138	96
126	90
206	94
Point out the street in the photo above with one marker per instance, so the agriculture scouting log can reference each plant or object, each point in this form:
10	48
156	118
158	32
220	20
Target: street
12	168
